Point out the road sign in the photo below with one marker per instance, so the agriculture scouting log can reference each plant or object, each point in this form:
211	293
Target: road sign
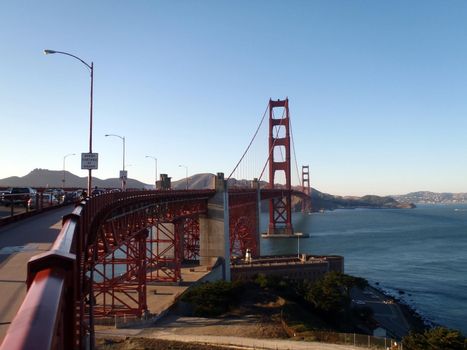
123	175
89	160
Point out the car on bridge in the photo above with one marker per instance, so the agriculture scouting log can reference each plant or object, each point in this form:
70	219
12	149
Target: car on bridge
42	201
1	195
18	196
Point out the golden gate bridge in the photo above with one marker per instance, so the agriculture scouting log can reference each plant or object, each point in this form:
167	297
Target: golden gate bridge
112	245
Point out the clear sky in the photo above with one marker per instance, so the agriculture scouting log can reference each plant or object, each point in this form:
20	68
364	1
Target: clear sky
377	89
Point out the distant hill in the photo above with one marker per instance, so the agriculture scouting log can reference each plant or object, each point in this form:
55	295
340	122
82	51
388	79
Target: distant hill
320	200
53	178
432	197
195	182
324	201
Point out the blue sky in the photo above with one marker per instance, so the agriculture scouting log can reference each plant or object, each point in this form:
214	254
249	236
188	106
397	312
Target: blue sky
377	89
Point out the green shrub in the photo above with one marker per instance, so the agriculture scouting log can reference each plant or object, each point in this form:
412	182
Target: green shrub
439	338
213	299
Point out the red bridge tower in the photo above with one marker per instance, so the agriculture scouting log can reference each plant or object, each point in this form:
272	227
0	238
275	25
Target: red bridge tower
306	188
280	209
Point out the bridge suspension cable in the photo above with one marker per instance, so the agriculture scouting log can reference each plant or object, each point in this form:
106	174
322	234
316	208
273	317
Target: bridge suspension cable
253	161
251	142
294	154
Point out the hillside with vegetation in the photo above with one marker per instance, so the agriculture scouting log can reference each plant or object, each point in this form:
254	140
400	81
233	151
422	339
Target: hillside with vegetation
427	197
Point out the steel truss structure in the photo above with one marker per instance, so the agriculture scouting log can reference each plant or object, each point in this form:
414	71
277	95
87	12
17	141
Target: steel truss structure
243	223
137	244
191	239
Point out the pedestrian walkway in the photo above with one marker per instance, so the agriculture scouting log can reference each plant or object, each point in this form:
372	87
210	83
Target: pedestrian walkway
229	341
18	243
13	281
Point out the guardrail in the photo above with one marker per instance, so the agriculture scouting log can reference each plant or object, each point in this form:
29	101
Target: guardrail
44	321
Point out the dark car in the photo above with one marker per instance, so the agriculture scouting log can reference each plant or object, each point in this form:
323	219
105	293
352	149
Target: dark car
18	196
97	191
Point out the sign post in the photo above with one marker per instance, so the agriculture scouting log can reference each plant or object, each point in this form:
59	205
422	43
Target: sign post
89	161
123	178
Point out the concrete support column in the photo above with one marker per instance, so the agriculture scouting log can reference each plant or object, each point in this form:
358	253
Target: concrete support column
256	185
214	228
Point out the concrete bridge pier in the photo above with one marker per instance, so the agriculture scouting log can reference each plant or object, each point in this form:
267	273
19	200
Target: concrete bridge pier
214	228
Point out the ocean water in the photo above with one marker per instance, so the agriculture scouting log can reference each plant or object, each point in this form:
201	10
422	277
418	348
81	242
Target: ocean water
421	251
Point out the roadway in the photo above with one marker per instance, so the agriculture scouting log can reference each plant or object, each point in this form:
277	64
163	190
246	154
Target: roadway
20	241
387	314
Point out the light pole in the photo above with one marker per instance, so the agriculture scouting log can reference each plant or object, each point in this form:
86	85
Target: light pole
64	157
186	173
155	170
123	175
91	68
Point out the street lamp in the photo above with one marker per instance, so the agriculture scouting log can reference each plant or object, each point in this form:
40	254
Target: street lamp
155	170
186	173
91	68
64	157
123	175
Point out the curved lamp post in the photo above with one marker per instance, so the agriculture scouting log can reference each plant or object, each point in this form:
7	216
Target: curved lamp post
123	165
64	157
91	68
155	170
186	173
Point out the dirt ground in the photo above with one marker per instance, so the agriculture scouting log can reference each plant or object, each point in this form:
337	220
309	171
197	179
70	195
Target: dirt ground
149	344
257	317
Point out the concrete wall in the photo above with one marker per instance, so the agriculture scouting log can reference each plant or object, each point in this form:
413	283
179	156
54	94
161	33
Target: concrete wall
214	228
310	268
216	274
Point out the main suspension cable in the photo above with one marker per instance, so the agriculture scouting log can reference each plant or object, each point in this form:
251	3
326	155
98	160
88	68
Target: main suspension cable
294	153
256	133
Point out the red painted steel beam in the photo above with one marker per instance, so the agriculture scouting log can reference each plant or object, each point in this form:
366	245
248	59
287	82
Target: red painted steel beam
38	323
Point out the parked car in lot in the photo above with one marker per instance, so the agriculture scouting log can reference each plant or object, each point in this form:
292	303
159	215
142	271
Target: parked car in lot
42	200
18	196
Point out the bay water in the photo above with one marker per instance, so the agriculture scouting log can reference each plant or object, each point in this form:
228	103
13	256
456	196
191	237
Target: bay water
420	252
